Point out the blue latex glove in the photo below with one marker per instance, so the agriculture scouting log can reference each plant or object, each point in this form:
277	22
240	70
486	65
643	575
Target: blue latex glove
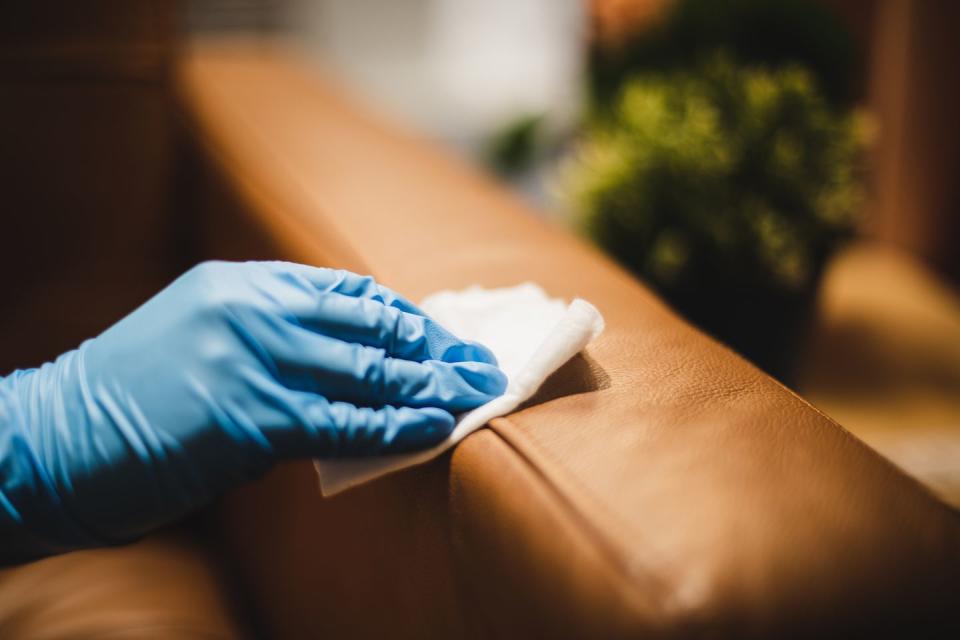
231	368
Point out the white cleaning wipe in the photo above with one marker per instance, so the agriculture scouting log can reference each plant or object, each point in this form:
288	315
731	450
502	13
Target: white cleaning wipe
531	334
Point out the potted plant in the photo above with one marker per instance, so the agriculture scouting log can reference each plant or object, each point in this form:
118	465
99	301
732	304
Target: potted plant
726	186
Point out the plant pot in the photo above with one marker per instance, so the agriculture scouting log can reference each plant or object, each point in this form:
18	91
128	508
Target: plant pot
767	326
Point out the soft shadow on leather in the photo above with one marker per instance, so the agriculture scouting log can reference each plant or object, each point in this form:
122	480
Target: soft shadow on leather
580	374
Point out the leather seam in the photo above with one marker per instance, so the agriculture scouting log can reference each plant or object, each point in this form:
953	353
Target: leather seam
508	431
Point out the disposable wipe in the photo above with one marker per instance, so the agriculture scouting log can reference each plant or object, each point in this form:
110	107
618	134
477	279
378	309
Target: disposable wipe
531	334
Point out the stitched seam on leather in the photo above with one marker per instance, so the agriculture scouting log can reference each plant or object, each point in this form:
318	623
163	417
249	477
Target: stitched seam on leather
510	433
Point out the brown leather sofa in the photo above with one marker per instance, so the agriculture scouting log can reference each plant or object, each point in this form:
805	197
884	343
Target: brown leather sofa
657	486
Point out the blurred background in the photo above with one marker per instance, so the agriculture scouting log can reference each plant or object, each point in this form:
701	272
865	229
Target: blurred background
783	173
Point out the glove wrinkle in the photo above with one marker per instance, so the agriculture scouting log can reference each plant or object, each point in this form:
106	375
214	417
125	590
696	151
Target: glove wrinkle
231	368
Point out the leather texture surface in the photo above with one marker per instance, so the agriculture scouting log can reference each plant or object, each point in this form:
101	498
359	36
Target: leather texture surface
658	486
884	360
163	587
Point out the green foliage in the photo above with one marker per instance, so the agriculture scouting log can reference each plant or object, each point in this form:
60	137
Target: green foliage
720	176
514	147
758	33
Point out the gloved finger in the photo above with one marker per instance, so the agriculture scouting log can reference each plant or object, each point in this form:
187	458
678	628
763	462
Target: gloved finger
343	282
351	285
367	376
454	386
324	429
400	334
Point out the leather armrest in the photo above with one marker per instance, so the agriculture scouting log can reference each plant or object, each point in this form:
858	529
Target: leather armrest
658	486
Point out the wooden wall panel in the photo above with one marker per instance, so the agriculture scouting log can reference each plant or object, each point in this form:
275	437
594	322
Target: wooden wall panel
86	159
915	94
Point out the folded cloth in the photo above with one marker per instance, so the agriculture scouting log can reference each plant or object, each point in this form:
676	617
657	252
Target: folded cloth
531	334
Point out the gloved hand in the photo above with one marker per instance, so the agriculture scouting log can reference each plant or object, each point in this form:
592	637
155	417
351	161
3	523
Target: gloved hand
231	368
